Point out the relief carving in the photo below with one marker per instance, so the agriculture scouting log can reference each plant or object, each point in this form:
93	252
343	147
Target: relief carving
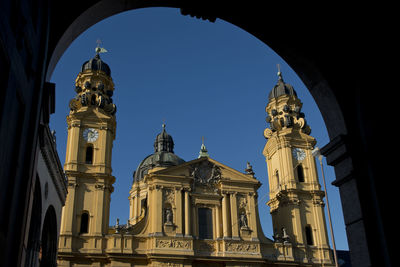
172	244
206	173
169	196
241	247
207	246
170	264
242	202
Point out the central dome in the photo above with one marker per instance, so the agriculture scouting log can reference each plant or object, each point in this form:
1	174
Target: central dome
163	156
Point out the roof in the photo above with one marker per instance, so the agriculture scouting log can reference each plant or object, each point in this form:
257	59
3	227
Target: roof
96	64
281	88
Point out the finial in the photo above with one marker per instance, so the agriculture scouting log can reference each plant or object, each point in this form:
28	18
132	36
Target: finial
163	126
203	150
249	169
279	72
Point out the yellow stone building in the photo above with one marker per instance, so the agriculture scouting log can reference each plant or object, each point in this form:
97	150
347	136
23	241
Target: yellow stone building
196	213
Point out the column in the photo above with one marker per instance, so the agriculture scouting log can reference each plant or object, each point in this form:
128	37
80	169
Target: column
138	204
195	220
98	210
225	216
218	222
132	211
252	199
153	208
136	210
178	214
158	207
187	213
234	216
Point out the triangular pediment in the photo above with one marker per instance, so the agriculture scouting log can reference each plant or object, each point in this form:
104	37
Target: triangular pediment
207	171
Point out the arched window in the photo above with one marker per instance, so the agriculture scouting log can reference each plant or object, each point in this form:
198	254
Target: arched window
89	155
84	223
309	236
277	178
300	173
205	223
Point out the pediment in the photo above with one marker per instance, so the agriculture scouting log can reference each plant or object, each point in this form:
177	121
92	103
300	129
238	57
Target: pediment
206	171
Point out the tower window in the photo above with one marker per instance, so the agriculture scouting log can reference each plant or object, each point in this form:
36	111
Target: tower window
300	174
309	236
89	155
205	223
277	178
84	223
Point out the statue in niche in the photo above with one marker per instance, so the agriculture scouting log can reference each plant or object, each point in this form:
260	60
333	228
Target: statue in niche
243	220
168	216
285	236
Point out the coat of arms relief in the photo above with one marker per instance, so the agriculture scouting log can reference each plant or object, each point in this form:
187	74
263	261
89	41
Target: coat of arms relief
206	173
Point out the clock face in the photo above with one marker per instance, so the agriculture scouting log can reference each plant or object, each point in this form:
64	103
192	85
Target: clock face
298	153
90	134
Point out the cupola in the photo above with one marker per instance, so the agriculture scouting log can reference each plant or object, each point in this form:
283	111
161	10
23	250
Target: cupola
96	64
163	156
163	142
281	88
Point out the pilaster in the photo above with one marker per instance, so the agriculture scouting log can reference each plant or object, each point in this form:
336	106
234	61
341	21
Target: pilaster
187	213
234	216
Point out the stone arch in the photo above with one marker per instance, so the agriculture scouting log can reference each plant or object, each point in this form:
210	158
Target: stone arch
348	133
49	239
305	69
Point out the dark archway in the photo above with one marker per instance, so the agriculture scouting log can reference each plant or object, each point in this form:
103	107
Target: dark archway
49	239
34	240
317	42
315	55
292	53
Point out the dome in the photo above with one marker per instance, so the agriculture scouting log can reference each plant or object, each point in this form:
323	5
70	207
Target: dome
163	156
158	159
282	88
96	64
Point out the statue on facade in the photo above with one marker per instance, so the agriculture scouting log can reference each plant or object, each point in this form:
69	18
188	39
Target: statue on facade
168	216
243	220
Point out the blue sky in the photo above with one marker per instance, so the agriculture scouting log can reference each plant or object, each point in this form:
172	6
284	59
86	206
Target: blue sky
201	78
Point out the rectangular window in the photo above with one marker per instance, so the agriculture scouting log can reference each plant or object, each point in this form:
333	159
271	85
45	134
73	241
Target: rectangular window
84	223
205	223
309	236
89	155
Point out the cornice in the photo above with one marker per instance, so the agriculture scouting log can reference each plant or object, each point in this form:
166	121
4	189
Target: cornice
52	161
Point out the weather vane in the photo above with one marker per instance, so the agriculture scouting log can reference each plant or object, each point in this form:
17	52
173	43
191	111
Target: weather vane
99	49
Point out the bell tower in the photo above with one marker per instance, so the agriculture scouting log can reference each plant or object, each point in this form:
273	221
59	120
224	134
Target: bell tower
91	132
296	200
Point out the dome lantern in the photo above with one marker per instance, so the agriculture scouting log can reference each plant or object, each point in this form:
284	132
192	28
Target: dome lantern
163	156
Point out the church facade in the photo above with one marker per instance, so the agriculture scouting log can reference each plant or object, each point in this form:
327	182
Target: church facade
195	213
